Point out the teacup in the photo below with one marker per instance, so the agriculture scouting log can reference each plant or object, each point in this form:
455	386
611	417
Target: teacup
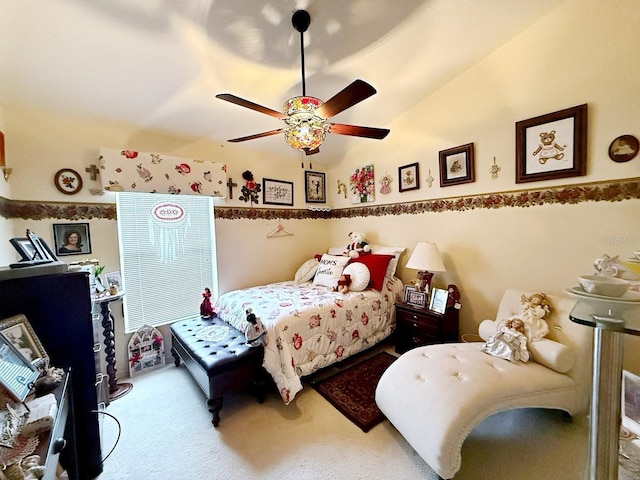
603	285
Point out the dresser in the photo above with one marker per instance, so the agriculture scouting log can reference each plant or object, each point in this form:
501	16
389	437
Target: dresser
58	307
417	326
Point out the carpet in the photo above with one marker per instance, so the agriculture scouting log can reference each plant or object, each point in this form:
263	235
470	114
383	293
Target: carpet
352	390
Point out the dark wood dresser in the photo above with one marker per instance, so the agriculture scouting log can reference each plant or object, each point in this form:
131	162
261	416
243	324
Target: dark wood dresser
58	307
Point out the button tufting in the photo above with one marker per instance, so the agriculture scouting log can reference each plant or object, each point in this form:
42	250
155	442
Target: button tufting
420	378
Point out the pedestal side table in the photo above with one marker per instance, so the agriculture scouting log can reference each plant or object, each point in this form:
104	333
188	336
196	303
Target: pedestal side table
116	390
611	318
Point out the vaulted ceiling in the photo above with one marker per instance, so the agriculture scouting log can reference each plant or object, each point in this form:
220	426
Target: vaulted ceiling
158	64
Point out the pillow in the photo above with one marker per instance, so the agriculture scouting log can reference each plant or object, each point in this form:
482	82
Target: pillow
395	251
329	270
377	265
306	271
337	250
360	276
554	355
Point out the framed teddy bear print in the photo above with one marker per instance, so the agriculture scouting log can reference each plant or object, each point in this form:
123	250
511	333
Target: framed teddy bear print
552	146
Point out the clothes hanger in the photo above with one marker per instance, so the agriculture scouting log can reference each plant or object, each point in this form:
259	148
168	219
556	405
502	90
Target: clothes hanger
279	231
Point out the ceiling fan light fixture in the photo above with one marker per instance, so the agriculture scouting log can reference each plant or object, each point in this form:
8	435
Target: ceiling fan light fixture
306	130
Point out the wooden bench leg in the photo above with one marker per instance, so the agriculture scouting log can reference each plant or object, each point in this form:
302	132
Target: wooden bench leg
176	357
215	405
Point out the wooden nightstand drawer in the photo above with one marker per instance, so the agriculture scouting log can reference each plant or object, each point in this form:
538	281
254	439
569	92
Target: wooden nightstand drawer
416	326
418	323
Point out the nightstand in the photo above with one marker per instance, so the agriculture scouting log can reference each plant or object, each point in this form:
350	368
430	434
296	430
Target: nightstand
416	326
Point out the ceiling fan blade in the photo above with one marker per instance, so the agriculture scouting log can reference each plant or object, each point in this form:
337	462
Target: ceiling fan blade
356	131
348	97
257	135
253	106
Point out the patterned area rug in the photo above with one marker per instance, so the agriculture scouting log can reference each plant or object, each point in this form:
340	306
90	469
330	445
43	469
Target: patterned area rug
352	391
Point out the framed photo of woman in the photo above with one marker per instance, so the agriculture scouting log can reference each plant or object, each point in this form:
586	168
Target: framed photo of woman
71	238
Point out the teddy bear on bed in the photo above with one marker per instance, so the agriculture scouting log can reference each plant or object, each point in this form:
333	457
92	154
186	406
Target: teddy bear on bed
358	245
343	283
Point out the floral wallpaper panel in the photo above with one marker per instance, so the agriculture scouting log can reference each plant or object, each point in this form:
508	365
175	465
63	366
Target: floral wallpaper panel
133	171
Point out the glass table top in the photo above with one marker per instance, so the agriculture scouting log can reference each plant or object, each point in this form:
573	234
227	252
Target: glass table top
610	313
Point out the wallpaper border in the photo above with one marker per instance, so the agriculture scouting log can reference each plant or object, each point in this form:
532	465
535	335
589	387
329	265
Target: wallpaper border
603	191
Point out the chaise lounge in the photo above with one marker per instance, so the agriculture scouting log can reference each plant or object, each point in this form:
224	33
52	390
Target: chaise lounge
435	395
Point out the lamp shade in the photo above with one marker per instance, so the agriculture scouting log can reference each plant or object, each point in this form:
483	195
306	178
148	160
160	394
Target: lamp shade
306	130
426	257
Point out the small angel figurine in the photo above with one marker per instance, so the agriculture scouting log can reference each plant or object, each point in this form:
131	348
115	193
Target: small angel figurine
206	310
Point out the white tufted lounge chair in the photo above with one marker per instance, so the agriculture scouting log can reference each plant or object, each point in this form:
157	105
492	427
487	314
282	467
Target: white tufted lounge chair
435	395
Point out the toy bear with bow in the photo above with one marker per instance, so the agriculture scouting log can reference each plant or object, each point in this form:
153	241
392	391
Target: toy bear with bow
358	245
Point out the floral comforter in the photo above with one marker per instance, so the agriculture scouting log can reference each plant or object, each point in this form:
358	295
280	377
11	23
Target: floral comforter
310	327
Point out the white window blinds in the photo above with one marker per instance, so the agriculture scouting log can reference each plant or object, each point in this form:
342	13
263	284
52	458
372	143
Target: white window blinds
167	256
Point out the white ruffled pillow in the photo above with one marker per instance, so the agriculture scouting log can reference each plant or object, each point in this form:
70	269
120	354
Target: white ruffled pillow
306	271
329	270
360	276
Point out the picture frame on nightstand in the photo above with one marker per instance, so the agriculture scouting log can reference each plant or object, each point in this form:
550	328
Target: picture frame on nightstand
417	299
438	302
407	290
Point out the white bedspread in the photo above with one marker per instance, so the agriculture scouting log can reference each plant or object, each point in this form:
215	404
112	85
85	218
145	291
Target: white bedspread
310	327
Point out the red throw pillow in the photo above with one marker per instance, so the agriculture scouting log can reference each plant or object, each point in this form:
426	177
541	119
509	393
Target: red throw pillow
377	265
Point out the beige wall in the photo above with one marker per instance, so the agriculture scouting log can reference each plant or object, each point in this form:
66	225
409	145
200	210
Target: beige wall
583	52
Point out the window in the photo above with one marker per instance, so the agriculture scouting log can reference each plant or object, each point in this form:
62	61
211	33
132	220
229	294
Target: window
167	256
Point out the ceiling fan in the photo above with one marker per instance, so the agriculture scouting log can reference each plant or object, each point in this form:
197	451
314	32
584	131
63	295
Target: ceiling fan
306	118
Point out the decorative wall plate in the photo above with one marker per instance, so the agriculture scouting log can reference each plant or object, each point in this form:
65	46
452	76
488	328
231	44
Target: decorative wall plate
623	148
68	181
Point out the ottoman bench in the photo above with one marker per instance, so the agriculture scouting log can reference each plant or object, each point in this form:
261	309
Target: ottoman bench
218	358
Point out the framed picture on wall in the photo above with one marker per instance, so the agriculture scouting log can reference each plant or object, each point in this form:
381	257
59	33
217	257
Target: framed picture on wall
457	165
552	146
71	238
314	187
409	176
277	192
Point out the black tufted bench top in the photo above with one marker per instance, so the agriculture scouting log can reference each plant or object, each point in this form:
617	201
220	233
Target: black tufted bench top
219	363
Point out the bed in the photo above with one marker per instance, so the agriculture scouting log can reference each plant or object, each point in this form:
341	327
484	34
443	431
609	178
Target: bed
310	326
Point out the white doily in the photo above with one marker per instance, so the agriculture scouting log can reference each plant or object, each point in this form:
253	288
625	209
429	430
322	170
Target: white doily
212	333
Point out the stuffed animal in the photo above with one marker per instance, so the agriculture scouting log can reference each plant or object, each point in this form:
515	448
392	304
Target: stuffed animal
358	245
343	283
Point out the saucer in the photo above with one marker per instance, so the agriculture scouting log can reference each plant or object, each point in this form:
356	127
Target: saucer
629	296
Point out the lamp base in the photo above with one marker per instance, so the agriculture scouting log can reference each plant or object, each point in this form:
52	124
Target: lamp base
425	281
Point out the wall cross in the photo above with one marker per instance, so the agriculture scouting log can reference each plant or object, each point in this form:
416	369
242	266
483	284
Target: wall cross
230	184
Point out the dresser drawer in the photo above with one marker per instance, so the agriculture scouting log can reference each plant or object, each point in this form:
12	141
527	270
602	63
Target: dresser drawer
425	324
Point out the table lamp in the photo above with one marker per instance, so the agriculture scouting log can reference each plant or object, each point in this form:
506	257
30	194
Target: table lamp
426	259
